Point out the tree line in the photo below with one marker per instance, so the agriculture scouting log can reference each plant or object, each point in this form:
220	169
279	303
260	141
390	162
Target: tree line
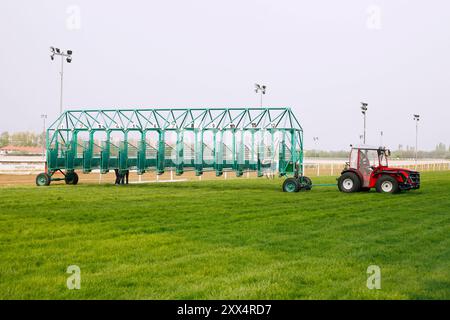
22	139
441	151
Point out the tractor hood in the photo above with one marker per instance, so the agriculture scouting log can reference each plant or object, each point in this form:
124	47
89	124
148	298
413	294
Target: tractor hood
396	169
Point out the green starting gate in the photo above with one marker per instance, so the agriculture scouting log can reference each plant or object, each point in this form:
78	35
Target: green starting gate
196	139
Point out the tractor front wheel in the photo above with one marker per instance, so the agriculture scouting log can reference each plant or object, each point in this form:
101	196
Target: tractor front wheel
349	182
291	185
387	184
43	179
71	178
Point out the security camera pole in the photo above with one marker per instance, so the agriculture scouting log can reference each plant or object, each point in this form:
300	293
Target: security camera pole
364	110
416	118
262	90
68	57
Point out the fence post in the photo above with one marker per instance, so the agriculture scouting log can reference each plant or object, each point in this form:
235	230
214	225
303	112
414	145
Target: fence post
318	169
332	169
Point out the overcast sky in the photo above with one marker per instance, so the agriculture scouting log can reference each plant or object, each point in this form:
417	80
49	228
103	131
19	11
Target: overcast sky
321	58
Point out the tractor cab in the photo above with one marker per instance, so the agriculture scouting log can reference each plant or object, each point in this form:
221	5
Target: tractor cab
367	159
368	168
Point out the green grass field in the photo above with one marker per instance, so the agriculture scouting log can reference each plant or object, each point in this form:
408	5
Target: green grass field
234	239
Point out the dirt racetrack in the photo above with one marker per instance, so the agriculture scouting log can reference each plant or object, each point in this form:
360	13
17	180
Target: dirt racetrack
96	178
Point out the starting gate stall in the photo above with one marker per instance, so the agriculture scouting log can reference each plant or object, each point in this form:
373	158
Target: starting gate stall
196	139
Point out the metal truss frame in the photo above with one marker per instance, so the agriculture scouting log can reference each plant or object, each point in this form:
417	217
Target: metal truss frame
273	131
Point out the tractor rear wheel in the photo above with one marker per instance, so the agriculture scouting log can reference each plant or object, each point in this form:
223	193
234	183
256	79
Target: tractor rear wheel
349	182
387	184
291	185
71	178
43	179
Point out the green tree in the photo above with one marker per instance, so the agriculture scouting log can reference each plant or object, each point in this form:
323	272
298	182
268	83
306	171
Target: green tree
4	139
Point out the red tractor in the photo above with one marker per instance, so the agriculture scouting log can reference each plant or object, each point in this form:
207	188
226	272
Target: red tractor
368	168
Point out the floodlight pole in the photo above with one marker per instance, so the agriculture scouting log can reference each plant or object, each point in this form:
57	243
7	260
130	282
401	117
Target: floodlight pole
417	133
261	100
61	94
64	55
262	90
364	128
364	110
316	140
44	117
416	118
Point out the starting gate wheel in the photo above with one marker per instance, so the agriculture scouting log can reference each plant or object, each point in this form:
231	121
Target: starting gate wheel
71	178
43	179
291	185
305	183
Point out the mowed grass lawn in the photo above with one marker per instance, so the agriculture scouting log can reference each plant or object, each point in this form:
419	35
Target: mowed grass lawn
233	239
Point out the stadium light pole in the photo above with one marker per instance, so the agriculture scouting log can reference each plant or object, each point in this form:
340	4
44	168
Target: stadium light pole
64	56
262	90
416	119
364	110
316	141
43	117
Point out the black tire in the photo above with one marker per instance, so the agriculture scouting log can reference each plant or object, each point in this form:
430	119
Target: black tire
349	182
43	179
75	178
307	183
291	185
387	184
71	178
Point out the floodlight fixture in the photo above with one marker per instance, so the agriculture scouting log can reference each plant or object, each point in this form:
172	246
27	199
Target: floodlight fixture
261	89
364	107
